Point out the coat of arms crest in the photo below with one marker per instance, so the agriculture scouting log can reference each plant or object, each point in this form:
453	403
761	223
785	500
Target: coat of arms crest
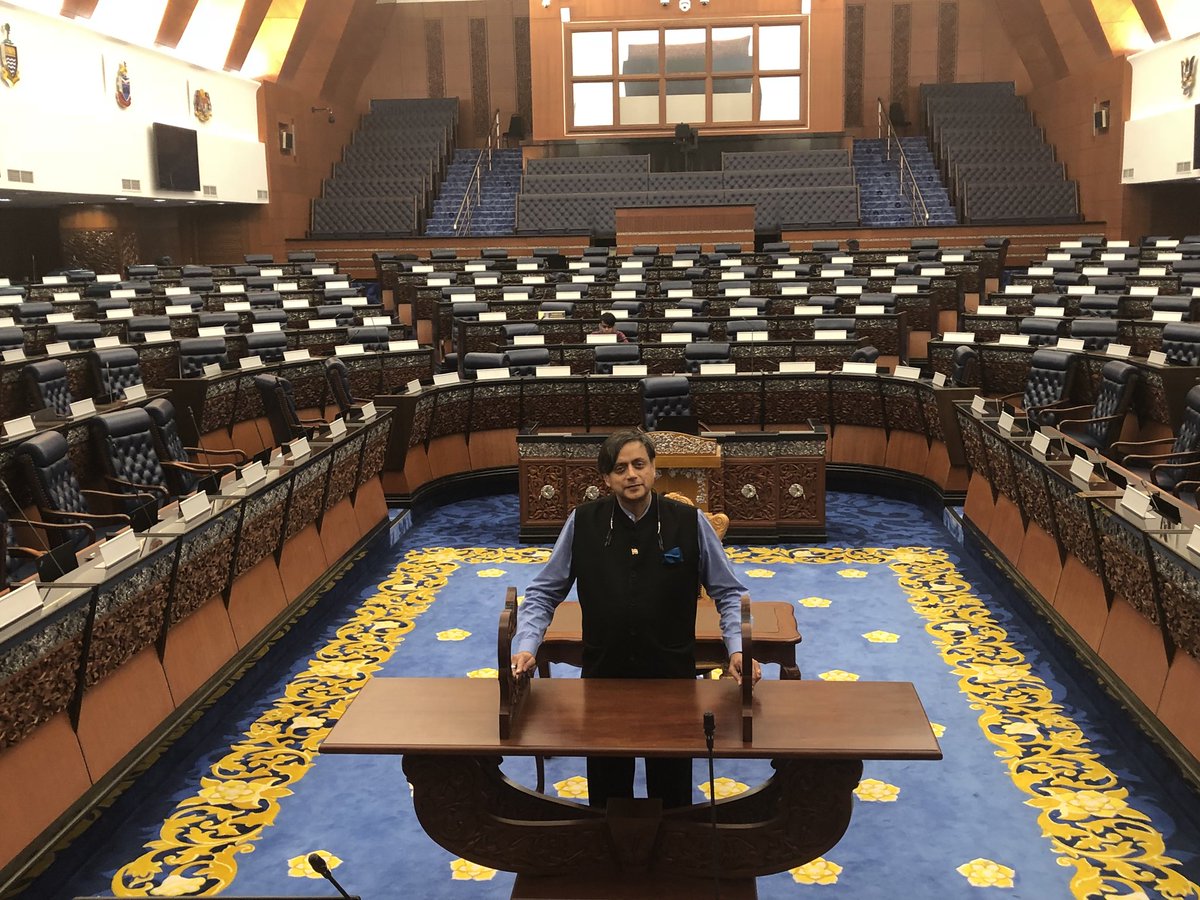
202	105
1187	75
124	89
9	73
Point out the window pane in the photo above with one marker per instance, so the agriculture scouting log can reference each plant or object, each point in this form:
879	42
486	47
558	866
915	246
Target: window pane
685	49
639	103
638	52
731	50
685	100
779	47
732	100
593	105
780	99
591	53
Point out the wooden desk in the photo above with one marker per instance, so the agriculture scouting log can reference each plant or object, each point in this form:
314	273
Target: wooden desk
704	225
775	637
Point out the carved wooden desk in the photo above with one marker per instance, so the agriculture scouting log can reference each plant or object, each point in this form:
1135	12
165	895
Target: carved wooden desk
816	733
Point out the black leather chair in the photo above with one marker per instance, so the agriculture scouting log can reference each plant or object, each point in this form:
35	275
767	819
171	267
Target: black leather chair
664	395
12	338
78	335
113	370
267	316
337	376
341	314
867	354
1177	459
269	346
198	285
279	401
473	362
633	307
138	327
373	338
566	307
104	305
265	300
258	259
698	305
525	360
699	331
18	562
196	271
1181	343
700	352
244	271
1096	333
1099	305
227	320
1047	385
735	327
837	323
124	441
1114	395
301	256
47	386
34	312
142	270
57	494
516	329
965	371
758	303
185	466
609	355
1042	330
1184	304
196	353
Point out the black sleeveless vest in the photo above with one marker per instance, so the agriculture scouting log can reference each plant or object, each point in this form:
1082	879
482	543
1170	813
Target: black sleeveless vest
638	600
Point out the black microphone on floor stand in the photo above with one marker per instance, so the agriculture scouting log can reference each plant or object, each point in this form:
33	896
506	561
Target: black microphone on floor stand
317	861
710	729
57	563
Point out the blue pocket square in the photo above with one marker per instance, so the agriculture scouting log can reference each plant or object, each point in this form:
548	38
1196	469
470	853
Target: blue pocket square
673	557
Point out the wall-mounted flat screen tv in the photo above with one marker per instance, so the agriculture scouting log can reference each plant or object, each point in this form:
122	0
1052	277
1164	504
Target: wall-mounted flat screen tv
176	161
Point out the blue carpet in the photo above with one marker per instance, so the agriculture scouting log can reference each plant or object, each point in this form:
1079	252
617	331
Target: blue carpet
1045	791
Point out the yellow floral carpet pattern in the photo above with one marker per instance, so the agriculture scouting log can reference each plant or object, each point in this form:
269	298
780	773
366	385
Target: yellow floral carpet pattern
1109	847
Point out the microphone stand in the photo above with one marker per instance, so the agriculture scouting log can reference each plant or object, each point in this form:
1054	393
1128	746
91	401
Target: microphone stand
710	728
318	864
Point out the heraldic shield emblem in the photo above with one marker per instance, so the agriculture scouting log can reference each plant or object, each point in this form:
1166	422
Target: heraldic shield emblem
202	105
124	89
8	56
1187	75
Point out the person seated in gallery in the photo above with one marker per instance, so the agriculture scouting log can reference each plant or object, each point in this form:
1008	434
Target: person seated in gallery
608	325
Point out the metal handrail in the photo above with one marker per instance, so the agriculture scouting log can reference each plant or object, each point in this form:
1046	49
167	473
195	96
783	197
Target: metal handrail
905	169
466	208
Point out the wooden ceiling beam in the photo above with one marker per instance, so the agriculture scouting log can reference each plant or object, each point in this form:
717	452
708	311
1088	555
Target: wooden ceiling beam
175	22
254	13
361	43
1085	12
1152	18
78	9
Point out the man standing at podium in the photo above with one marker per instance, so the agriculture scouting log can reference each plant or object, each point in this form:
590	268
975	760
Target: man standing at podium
638	560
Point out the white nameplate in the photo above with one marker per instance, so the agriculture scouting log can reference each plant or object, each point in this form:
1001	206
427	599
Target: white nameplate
859	368
19	602
681	263
252	473
829	334
1082	469
498	374
55	279
783	273
285	286
730	262
135	392
1050	312
105	278
1019	289
577	264
208	331
193	506
179	310
527	267
912	373
827	272
349	350
354	302
57	348
413	386
1112	257
15	355
211	369
869	309
322	270
935	272
1075	290
250	362
296	355
237	306
624	295
751	336
1117	243
1065	343
598	338
485	281
271	273
1168	257
742	312
788	261
676	337
1058	257
437	282
419	269
117	548
736	291
493	317
568	295
463	298
1039	272
156	337
1153	272
583	279
628	277
52	318
1119	350
321	323
939	379
528	340
66	297
801	310
1040	443
475	267
1166	315
962	337
979	404
618	313
119	314
262	327
883	273
230	289
732	276
794	290
552	371
991	310
797	366
677	313
896	258
1156	357
533	279
954	257
629	369
1136	502
442	378
1007	421
904	288
1095	270
1144	290
176	291
403	346
1193	543
718	368
1071	245
102	343
1014	340
83	407
848	289
7	322
19	427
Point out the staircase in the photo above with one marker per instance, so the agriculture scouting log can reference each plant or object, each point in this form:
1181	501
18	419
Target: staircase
497	213
882	203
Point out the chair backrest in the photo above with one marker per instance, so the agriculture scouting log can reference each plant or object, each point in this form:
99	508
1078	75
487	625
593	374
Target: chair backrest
79	335
664	395
227	320
169	445
269	346
1099	305
1049	380
196	353
1181	343
700	331
837	323
115	369
265	299
266	315
374	338
1042	330
280	404
47	386
137	327
1118	382
513	329
473	362
566	307
51	479
633	307
340	313
12	337
609	355
125	441
695	354
965	366
524	360
1187	438
1096	333
867	354
34	313
338	378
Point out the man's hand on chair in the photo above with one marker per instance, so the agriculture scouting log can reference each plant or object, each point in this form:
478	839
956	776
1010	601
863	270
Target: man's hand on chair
735	668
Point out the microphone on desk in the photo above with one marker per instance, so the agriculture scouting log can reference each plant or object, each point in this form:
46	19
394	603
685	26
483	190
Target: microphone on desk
710	729
318	864
210	483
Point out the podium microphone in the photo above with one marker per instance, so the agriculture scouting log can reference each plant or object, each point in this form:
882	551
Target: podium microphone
710	729
317	861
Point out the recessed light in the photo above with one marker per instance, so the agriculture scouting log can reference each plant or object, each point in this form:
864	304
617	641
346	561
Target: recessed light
5	199
120	198
159	200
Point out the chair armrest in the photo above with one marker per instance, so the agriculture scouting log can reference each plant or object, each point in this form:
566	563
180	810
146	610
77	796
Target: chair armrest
27	552
86	518
57	526
137	488
1059	408
1178	458
1121	446
199	468
200	451
1076	423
